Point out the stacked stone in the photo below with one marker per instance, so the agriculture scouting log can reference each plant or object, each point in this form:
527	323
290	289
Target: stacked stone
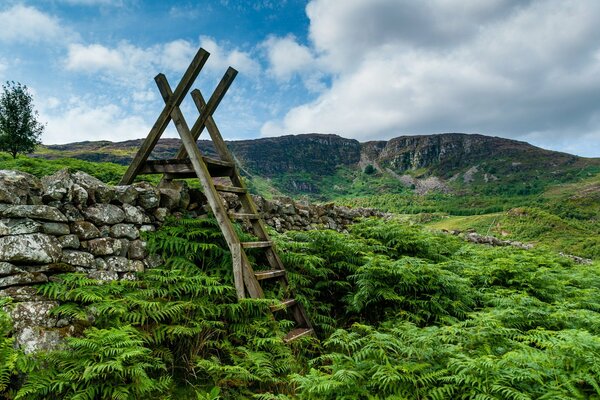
73	222
285	214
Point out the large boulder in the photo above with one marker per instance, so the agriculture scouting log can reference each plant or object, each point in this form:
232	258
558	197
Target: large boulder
148	195
98	191
36	248
58	186
42	212
19	188
84	230
19	226
104	214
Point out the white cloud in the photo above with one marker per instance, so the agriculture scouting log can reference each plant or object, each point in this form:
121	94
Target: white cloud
79	120
25	24
221	58
131	66
502	67
287	57
94	58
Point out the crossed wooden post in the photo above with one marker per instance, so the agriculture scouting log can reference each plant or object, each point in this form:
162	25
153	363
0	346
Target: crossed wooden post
171	111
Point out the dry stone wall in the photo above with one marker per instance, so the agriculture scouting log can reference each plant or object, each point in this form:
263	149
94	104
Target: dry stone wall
73	222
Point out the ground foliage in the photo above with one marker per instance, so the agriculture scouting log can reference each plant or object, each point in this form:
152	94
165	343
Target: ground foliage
401	313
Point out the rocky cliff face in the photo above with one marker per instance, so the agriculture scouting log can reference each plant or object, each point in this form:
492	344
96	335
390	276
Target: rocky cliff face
447	152
314	153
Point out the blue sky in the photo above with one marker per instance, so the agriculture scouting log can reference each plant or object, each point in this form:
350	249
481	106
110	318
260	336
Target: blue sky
364	69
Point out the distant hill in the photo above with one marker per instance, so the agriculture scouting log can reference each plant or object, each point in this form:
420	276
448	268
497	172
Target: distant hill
326	166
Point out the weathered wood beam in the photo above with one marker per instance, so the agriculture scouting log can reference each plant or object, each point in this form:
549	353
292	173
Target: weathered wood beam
165	116
207	111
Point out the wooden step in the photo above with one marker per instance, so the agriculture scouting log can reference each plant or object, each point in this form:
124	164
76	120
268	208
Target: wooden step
285	304
297	334
257	245
274	273
230	189
177	168
243	215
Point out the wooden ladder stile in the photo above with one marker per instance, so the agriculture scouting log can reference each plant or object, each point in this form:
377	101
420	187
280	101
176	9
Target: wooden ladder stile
189	162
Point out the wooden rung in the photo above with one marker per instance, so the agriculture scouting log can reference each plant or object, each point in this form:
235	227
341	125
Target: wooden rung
287	303
297	334
244	215
274	273
230	189
182	169
256	245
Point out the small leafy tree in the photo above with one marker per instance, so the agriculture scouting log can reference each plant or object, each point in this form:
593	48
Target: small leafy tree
19	128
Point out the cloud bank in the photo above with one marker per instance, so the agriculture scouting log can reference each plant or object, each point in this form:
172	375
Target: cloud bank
523	69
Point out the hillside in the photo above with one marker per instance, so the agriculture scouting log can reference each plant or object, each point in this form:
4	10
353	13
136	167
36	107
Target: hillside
325	167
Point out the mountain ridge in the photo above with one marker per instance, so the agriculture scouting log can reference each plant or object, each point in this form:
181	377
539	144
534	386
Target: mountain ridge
313	164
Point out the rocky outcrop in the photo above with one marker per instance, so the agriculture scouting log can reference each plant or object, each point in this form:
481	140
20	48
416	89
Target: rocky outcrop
72	222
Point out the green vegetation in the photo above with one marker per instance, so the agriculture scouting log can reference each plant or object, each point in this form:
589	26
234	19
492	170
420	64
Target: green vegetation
401	313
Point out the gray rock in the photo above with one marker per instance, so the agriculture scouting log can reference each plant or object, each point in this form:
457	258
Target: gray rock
41	212
104	276
147	228
19	188
136	266
56	228
153	261
78	258
69	242
105	231
98	191
125	194
128	231
137	250
103	246
118	264
124	247
101	264
21	293
174	194
48	269
84	230
34	329
128	276
71	212
161	214
79	195
57	186
148	195
102	214
135	215
19	226
30	248
25	278
9	269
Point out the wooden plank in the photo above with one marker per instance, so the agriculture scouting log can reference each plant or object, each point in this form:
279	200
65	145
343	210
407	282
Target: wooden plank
157	168
274	273
285	304
212	128
235	215
256	245
230	189
165	116
210	107
238	273
297	334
